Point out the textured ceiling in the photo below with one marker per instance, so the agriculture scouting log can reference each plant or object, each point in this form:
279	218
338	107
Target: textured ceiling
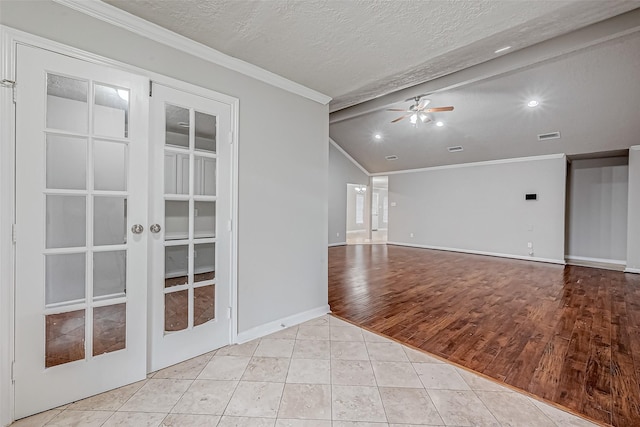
592	97
356	50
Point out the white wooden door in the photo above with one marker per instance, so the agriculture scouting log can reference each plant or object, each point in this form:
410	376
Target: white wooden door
191	212
81	272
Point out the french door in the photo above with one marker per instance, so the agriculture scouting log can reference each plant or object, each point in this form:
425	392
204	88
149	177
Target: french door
81	238
191	239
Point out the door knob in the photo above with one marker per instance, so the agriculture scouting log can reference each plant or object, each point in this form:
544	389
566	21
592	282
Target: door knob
137	229
155	228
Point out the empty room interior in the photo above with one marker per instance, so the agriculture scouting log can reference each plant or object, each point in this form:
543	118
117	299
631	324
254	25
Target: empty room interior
320	213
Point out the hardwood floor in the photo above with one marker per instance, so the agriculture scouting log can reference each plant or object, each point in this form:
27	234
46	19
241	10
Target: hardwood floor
567	334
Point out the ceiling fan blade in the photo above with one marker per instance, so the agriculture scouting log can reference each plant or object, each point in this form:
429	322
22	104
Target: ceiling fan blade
400	118
397	109
423	104
437	109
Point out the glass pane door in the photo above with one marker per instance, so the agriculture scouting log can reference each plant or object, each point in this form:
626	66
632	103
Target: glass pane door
80	275
191	200
190	218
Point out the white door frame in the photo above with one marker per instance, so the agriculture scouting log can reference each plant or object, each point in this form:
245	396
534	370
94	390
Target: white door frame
9	39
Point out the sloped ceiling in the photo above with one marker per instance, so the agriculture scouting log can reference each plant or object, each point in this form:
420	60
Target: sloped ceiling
592	97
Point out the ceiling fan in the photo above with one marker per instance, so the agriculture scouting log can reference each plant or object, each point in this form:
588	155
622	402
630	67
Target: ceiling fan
418	110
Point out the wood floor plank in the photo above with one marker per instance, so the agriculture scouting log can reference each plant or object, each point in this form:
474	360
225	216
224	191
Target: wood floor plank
564	333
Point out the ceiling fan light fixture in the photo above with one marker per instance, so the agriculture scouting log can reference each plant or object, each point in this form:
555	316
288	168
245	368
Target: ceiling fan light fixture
414	118
423	117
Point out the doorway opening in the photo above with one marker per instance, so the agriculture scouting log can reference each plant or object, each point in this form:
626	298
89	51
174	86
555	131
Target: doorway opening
596	218
379	209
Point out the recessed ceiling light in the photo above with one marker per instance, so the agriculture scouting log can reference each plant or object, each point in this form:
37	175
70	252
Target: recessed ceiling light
377	136
533	103
439	124
502	49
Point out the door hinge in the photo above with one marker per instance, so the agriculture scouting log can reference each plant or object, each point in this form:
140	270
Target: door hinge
150	88
231	137
14	232
228	312
11	84
13	370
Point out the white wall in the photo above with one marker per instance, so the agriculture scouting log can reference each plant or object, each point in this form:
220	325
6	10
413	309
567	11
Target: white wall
633	217
597	210
342	171
282	147
482	207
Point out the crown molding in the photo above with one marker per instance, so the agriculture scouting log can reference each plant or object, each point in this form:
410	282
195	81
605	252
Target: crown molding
117	17
348	156
467	165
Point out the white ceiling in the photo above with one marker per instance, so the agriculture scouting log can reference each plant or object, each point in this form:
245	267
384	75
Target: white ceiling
370	54
355	50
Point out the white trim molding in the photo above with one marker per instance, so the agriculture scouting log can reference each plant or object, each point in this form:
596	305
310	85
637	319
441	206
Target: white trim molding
118	17
280	324
348	156
474	252
632	270
472	164
337	244
7	218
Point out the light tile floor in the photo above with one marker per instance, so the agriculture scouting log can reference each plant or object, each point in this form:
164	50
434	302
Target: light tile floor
323	373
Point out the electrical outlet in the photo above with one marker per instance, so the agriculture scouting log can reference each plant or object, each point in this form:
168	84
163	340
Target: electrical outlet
530	245
410	234
337	234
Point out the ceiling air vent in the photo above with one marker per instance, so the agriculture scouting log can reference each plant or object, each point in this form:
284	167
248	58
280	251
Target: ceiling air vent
550	135
391	157
455	149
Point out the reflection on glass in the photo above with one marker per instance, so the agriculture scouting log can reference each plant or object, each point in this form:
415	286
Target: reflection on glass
110	220
204	262
67	106
205	176
205	219
109	166
66	219
66	163
111	111
176	219
205	132
64	338
176	126
64	278
176	173
109	274
204	301
109	328
176	311
176	265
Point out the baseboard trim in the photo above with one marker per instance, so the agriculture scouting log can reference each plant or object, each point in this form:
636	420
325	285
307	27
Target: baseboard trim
474	252
607	264
632	270
599	260
278	325
337	244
